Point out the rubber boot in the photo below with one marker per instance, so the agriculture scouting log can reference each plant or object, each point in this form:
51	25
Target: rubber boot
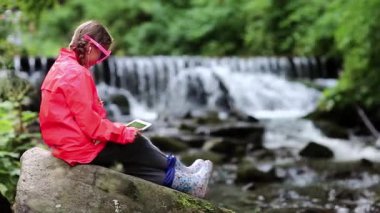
193	168
194	184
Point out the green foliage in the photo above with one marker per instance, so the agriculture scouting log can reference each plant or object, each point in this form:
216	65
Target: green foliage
7	49
14	135
344	29
12	144
359	43
147	27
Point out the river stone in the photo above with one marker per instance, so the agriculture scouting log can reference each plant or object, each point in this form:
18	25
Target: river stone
189	157
332	130
194	141
315	150
169	144
250	133
47	184
227	146
247	172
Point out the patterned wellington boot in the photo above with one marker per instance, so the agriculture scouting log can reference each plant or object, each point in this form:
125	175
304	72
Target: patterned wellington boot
194	184
193	168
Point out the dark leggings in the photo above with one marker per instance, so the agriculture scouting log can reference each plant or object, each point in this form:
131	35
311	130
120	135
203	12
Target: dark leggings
140	158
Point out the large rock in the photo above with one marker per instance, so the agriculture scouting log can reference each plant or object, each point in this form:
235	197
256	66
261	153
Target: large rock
169	144
248	133
316	150
332	130
48	184
247	172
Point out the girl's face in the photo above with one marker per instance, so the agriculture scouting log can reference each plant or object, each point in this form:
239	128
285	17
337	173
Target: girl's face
96	53
92	56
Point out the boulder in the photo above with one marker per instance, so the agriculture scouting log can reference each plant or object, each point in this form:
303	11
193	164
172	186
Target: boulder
249	133
169	144
247	172
316	150
189	157
332	130
48	184
194	141
227	146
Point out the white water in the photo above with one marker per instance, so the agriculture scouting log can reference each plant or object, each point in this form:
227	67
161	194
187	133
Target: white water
262	95
297	133
138	110
165	86
265	95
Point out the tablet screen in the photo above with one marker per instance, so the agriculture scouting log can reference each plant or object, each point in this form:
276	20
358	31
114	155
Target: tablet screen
139	124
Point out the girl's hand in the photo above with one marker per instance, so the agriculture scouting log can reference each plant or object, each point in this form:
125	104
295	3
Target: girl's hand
137	131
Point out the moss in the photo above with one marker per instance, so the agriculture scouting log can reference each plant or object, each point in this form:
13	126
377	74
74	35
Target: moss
190	204
194	205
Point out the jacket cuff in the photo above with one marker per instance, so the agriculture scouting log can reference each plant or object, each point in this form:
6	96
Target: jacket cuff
129	134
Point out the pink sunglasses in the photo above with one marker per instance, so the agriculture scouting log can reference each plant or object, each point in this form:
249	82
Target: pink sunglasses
104	53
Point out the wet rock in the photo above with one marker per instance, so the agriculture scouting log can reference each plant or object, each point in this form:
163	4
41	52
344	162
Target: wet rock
339	175
245	132
315	150
5	206
241	116
225	101
212	117
301	210
264	154
122	102
190	157
332	130
315	210
367	163
188	126
247	172
237	130
229	147
169	144
194	141
48	184
346	194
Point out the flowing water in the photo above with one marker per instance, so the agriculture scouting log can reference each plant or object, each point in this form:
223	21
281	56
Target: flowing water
169	86
342	184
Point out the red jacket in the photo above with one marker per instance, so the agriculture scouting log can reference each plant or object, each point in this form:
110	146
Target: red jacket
72	118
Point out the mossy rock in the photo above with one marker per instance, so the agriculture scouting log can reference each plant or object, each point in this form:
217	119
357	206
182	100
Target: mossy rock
48	184
332	130
226	146
316	150
189	157
247	172
169	144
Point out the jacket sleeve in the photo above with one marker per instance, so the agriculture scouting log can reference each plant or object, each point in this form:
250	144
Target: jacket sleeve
79	98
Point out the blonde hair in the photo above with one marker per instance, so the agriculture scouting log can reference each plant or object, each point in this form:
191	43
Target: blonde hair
96	31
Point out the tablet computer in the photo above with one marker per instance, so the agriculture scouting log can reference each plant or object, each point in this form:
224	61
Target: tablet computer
139	124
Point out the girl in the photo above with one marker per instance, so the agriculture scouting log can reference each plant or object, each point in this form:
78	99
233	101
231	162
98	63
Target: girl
74	124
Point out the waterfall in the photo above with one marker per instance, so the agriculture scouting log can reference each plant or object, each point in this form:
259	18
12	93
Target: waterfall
161	86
